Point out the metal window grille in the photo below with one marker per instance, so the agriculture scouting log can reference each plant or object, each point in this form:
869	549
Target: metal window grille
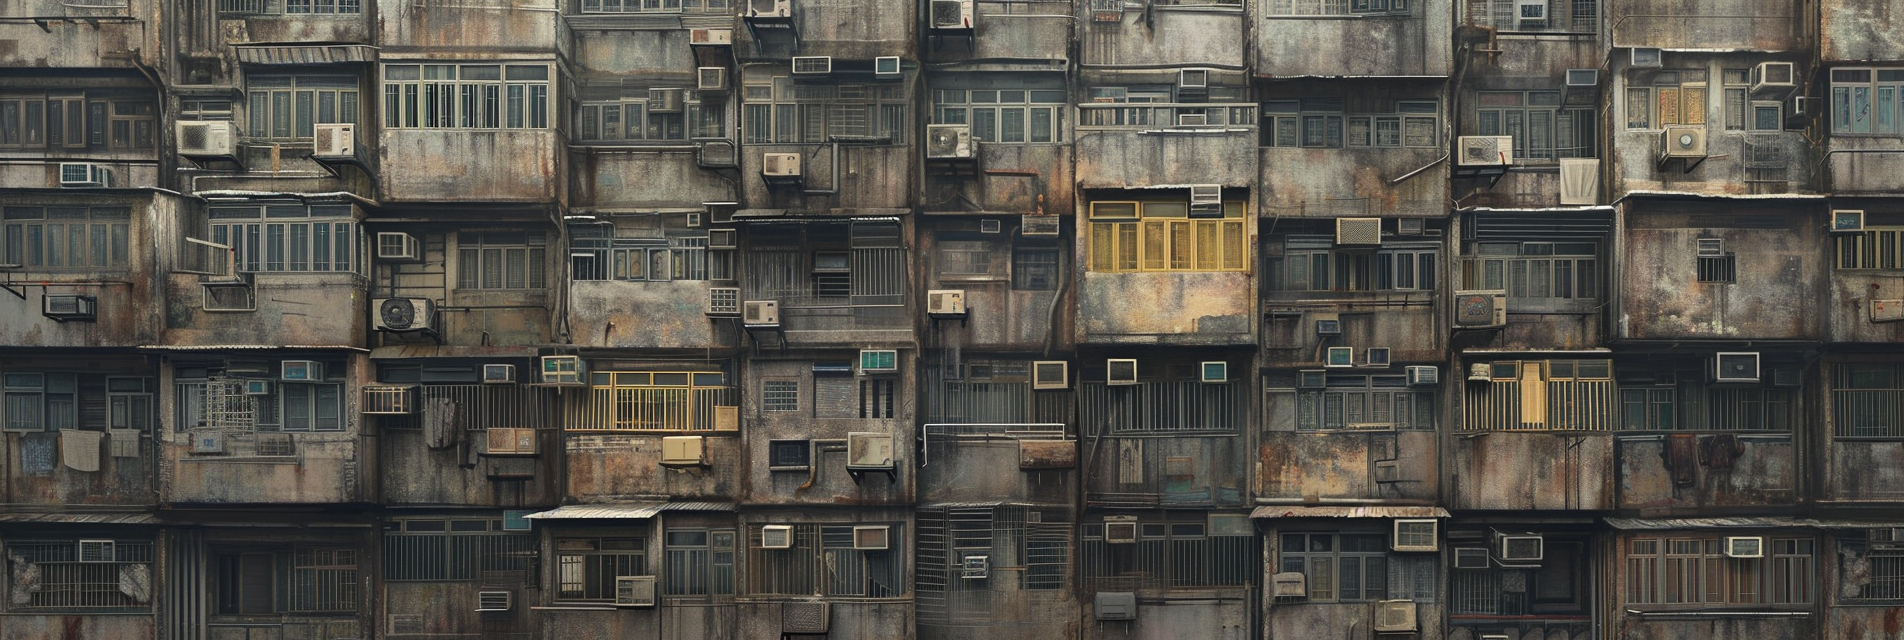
823	561
1696	571
586	568
1719	269
122	580
476	407
640	400
699	562
323	580
1167	554
455	556
1527	398
1166	406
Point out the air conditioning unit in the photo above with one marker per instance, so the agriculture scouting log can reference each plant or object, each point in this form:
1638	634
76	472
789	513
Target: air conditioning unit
1206	200
1735	367
1409	226
1480	372
1480	309
1193	119
878	361
723	239
1579	181
1886	309
945	303
886	67
1744	547
1798	111
334	140
1520	548
1114	605
812	65
1050	374
256	387
1329	327
499	374
1395	616
1193	80
1312	379
1847	220
1645	58
97	551
949	142
1035	225
723	302
990	226
1774	79
1710	247
1494	636
975	567
1424	375
634	591
387	400
684	451
1484	150
204	442
710	79
509	441
866	451
1289	584
666	100
84	174
780	165
206	138
1120	371
300	371
493	601
62	307
562	370
1358	231
1530	14
951	14
1416	534
398	246
872	538
1471	558
776	536
1682	141
1340	357
760	313
1376	357
1120	529
1213	372
403	314
711	37
1583	78
805	617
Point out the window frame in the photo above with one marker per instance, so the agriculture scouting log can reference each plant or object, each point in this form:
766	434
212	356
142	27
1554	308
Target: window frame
1648	96
966	106
287	238
1679	571
477	251
1154	236
1312	405
63	574
1844	94
775	110
573	566
28	238
412	99
691	570
1323	568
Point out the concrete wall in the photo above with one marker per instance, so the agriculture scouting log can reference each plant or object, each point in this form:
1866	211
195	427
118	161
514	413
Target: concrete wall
1341	465
483	26
1116	158
113	42
1544	471
1221	615
652	315
646	178
458	475
1416	44
1873	165
1406	323
1164	36
1779	269
1853	30
1213	308
63	627
1760	25
473	165
1177	468
827	480
868	177
1863	471
1352	182
1765	477
1355	620
982	469
607	467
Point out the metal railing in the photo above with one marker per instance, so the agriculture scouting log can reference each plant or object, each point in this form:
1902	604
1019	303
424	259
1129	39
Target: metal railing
1563	405
1167	407
1231	116
651	408
1867	413
66	581
475	407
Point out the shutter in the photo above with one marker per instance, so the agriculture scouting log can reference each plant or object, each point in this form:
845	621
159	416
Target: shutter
835	397
1533	389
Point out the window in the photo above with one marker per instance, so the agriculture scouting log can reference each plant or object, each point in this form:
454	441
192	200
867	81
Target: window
1004	543
860	264
700	562
1180	403
1171	551
286	237
76	122
1720	269
1009	116
501	260
968	259
1542	126
322	6
1657	99
1694	570
789	454
1561	15
1313	263
287	106
1535	274
298	7
1867	101
1873	567
778	111
1413	124
213	398
1555	585
1337	7
614	121
821	560
50	401
1736	85
1681	400
656	400
877	397
80	574
1151	107
1345	567
1161	236
304	580
1536	395
469	96
1310	122
656	6
780	395
1035	269
1365	402
1873	248
683	257
1867	400
586	568
68	238
453	550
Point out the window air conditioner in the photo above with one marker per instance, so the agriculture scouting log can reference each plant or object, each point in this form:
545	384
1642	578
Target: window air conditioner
334	140
1213	372
780	165
975	567
948	303
300	371
1050	374
499	374
770	8
872	538
990	225
403	314
398	246
1330	327
1682	141
1521	548
1744	547
1120	529
1114	605
951	14
1798	111
1422	534
1847	220
489	601
760	313
1358	231
776	536
1377	357
1036	225
1735	367
1424	375
1193	80
255	387
684	451
1120	371
1646	58
84	174
1710	247
1340	357
1530	14
1480	309
666	100
723	301
1289	584
206	138
805	617
64	307
634	591
711	37
1579	181
886	67
1193	119
1395	616
96	551
566	370
1206	199
1409	226
712	79
949	141
812	65
1485	150
207	442
1481	372
1774	79
1579	78
866	451
1471	558
878	361
387	400
509	441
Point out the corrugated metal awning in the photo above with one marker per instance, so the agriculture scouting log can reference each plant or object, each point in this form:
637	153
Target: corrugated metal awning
433	351
80	518
1349	512
638	511
1660	524
253	347
305	53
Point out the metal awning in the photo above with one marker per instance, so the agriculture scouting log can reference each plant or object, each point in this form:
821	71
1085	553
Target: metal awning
434	351
1661	524
305	53
1349	512
80	518
637	511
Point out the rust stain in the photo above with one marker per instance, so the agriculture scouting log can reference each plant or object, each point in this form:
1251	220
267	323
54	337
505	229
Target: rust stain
1893	621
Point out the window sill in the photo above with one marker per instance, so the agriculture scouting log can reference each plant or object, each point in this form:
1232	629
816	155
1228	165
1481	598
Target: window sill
1697	612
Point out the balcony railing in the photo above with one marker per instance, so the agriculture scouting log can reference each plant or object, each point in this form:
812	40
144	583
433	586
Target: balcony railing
476	407
1173	117
653	408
